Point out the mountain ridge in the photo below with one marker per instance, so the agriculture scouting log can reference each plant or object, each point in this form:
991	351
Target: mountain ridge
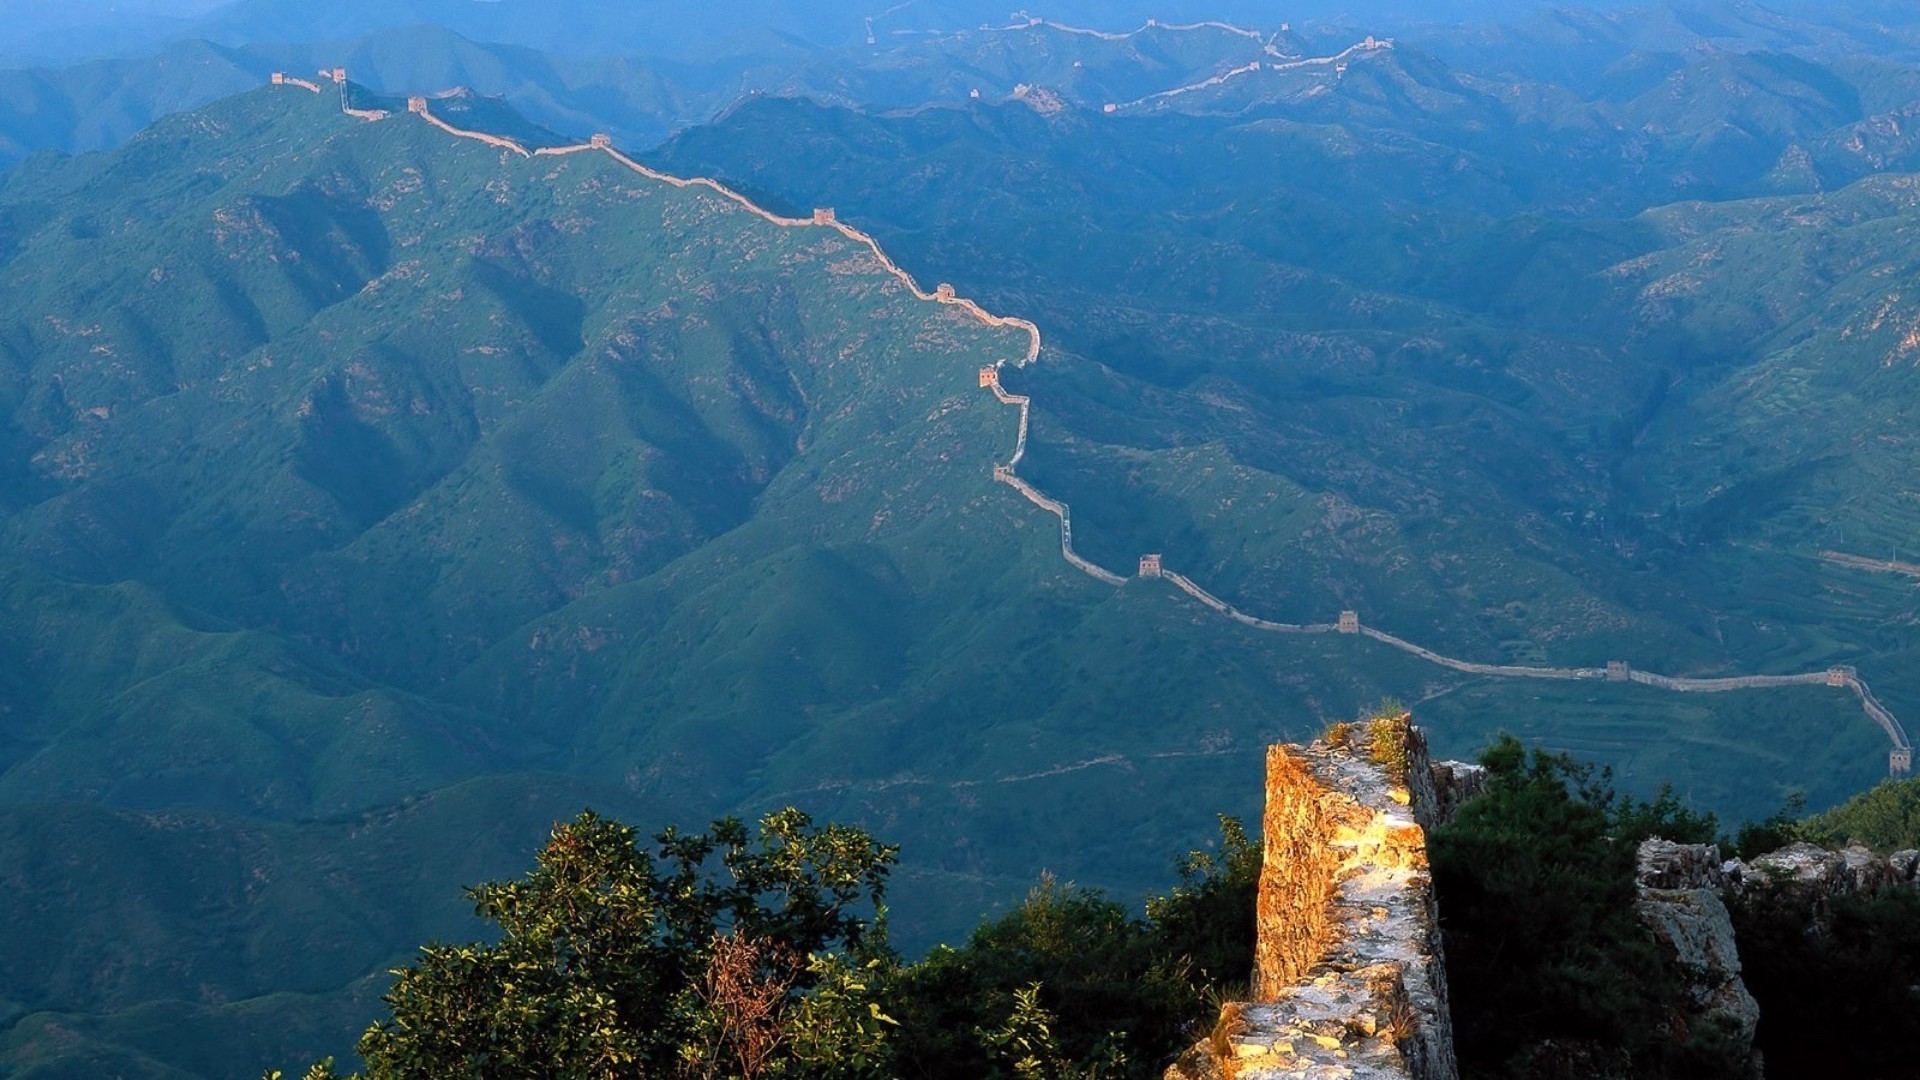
755	614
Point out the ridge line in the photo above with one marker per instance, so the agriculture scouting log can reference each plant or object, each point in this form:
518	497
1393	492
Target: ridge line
1899	758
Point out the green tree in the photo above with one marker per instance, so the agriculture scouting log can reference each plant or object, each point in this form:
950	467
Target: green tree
1073	984
1885	818
1206	921
726	953
1545	954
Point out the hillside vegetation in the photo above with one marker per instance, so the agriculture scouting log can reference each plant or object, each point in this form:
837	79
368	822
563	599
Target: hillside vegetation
363	481
368	492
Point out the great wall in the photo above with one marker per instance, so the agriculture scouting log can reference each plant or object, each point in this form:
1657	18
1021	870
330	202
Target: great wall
1152	566
1337	61
1269	45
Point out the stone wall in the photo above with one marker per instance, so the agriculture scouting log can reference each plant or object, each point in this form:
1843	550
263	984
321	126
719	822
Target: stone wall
1349	977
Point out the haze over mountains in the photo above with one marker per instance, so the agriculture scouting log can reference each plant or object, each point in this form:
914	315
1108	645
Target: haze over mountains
370	497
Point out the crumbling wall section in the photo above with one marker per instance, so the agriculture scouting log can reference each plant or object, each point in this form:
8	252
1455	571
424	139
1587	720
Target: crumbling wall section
1350	981
1293	916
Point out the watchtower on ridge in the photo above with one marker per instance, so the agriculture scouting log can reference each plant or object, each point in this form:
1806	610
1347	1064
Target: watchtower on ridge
417	105
943	291
339	75
601	141
1150	565
989	376
1900	760
1619	671
823	215
279	78
1840	675
1349	622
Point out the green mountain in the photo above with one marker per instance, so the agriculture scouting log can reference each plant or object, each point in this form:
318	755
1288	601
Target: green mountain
364	482
1501	414
371	497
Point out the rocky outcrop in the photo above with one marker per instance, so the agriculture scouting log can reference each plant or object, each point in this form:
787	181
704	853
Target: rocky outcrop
1350	981
1816	870
1683	889
1679	901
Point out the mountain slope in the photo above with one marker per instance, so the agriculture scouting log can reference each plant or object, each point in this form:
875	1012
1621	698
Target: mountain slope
440	477
356	463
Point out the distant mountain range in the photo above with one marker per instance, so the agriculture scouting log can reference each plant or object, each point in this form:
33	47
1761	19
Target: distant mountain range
371	497
42	33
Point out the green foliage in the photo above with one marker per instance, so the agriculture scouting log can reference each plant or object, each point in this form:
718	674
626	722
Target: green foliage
1105	993
739	954
1206	918
728	952
1773	832
1836	980
1536	888
1025	1048
1886	818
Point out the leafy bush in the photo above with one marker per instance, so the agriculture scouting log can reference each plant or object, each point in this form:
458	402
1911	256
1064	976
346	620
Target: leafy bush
711	954
1121	995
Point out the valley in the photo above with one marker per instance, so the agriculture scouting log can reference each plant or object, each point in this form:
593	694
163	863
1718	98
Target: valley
387	472
1900	756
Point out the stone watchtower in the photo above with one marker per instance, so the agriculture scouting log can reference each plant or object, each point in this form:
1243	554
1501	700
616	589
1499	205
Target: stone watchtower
417	105
1900	760
279	78
1619	671
601	141
1840	675
823	215
989	376
1349	622
943	291
339	75
1150	565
